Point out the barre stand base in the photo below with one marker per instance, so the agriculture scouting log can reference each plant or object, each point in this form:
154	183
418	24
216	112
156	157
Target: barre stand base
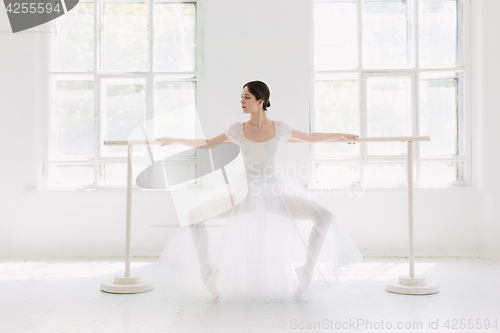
411	286
127	285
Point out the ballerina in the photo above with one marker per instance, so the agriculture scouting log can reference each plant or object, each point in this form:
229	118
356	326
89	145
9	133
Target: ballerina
261	239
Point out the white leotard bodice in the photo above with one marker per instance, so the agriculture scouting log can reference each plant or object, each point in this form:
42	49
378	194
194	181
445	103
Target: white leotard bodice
259	157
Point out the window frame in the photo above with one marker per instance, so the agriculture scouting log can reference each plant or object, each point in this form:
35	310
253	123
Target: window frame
50	75
464	112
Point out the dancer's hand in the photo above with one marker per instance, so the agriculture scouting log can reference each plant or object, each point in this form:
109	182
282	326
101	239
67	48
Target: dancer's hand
350	137
166	140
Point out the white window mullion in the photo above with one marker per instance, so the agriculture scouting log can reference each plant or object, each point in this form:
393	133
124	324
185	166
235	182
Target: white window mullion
48	94
363	126
97	90
97	126
200	79
460	35
312	127
460	112
416	103
96	35
312	105
150	77
466	116
361	89
415	125
101	32
392	70
151	35
444	159
149	98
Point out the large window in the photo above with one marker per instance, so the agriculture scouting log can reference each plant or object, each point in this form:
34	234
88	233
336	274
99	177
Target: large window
115	68
391	68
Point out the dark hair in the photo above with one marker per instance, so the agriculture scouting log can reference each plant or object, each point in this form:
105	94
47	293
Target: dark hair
261	91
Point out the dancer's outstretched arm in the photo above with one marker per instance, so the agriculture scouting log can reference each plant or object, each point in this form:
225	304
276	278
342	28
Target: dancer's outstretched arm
195	143
315	137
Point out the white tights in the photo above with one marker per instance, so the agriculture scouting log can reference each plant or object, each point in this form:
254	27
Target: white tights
299	209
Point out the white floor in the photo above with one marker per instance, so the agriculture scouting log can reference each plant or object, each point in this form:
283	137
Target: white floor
48	296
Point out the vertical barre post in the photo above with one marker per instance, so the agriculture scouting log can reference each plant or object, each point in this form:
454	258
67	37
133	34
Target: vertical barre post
127	284
410	205
411	284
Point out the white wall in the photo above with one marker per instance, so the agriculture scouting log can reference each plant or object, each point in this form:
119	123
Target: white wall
268	41
486	89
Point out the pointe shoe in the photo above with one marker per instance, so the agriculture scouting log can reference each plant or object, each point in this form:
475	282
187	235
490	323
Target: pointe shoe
304	281
211	288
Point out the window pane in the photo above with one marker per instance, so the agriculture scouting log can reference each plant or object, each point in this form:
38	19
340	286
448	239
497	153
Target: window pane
74	127
175	37
385	174
389	103
438	172
337	174
337	111
335	35
438	33
170	96
439	115
175	113
387	31
125	36
123	108
75	38
71	174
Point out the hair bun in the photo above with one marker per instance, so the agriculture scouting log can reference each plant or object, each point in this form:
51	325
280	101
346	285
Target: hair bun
268	103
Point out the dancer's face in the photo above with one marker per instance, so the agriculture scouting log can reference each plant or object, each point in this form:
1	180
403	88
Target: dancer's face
249	103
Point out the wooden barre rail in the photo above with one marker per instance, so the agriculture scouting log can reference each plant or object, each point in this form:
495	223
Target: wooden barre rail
364	139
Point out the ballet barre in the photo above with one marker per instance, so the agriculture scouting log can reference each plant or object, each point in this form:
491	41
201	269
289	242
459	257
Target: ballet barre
405	284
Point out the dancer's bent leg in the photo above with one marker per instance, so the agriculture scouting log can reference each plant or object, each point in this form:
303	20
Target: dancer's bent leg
304	209
322	221
200	240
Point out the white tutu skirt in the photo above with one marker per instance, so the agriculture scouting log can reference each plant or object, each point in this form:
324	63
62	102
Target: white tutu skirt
257	244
